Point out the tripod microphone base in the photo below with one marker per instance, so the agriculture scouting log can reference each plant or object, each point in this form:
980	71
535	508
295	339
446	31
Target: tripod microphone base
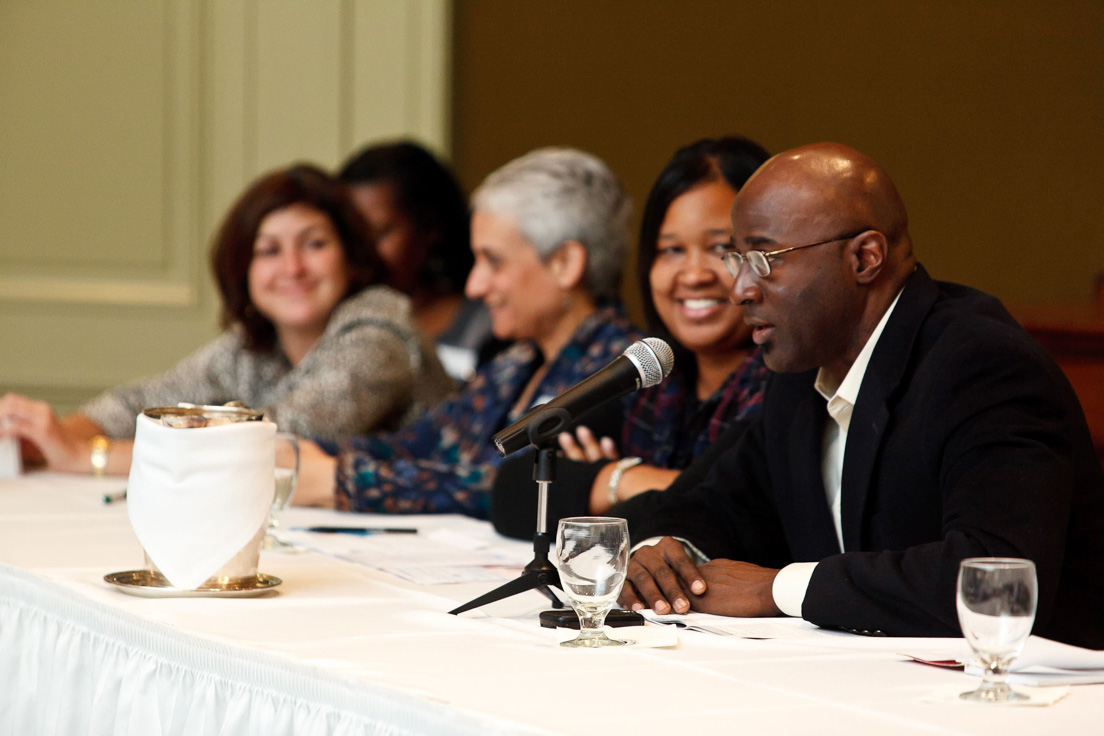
528	580
539	573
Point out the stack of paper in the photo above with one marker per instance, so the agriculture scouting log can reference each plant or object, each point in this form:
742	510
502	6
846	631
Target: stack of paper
745	628
1043	662
1046	662
435	557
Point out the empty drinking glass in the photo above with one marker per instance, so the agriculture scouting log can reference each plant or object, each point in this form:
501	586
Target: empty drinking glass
592	554
287	473
996	609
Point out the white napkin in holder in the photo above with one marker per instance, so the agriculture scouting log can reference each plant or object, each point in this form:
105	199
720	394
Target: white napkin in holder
198	497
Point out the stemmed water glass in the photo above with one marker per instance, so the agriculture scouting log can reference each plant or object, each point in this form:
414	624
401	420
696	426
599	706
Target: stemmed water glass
287	474
996	609
592	554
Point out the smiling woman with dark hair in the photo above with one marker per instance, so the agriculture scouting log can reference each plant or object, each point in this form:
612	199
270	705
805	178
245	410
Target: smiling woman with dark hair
313	337
244	245
718	377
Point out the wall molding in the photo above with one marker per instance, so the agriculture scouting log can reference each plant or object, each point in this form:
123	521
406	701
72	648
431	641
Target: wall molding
155	116
171	279
99	292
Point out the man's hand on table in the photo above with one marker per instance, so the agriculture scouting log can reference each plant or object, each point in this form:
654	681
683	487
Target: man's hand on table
736	589
664	578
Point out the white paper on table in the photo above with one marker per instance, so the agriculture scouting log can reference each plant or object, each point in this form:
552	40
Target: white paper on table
745	628
1043	663
458	540
1039	676
1046	652
436	558
11	463
443	574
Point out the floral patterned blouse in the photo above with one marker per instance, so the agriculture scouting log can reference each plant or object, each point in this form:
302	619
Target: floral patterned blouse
445	461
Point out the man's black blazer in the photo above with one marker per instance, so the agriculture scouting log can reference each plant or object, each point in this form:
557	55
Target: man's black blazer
966	440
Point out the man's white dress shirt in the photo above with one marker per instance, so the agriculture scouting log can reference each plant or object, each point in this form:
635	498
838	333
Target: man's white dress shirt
793	580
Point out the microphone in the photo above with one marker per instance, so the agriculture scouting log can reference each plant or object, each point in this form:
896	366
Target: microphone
644	363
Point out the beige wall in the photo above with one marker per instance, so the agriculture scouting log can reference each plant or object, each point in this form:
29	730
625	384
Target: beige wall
989	114
128	127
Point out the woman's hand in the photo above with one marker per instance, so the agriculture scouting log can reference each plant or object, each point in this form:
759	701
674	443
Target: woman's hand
317	477
583	445
34	422
635	480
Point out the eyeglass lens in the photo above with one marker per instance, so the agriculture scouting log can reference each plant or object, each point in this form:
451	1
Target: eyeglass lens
759	263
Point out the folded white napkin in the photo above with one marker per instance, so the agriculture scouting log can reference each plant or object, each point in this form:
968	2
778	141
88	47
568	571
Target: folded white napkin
196	496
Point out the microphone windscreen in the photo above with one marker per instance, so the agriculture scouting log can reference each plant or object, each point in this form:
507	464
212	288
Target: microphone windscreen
653	358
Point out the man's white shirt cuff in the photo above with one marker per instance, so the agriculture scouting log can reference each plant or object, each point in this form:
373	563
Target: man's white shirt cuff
790	585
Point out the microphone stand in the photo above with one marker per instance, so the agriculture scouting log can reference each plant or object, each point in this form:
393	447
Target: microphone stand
540	572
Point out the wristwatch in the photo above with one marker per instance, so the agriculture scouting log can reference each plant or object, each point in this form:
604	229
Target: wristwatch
615	477
97	455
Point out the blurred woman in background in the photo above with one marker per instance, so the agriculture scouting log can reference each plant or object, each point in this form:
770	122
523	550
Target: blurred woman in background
548	234
313	337
419	217
718	376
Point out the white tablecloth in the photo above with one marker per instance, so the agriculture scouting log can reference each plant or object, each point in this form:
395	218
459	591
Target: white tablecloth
346	649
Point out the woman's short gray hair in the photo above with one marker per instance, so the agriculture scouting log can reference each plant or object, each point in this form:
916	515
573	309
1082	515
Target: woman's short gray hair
554	195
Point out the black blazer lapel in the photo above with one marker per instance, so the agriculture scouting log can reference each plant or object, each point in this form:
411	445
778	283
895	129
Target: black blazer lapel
871	414
812	535
864	439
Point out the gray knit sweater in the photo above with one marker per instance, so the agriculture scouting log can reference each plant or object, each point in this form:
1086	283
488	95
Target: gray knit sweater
371	370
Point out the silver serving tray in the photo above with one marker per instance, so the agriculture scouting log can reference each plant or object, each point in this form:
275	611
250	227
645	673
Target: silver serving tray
151	584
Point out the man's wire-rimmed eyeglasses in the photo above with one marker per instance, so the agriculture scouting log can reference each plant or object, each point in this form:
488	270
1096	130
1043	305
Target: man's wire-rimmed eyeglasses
759	260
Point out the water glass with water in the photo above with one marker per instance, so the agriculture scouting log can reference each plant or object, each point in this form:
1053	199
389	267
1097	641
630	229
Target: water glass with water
996	601
592	555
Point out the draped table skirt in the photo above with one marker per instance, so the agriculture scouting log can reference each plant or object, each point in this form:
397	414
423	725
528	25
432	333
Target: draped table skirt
73	666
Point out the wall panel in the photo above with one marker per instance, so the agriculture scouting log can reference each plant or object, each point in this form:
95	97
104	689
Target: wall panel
130	127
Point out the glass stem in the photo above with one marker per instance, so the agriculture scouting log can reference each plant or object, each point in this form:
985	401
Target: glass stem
995	677
590	621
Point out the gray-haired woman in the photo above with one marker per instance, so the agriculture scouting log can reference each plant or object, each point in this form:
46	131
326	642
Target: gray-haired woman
548	234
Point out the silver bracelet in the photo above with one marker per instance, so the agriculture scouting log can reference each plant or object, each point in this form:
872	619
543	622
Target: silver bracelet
615	477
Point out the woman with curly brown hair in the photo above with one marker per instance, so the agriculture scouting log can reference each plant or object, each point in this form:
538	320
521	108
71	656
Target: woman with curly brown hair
312	336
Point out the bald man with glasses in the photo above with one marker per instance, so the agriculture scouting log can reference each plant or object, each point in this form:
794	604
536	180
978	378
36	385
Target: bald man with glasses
910	424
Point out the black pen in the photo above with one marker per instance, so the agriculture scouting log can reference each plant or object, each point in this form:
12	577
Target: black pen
115	497
357	530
